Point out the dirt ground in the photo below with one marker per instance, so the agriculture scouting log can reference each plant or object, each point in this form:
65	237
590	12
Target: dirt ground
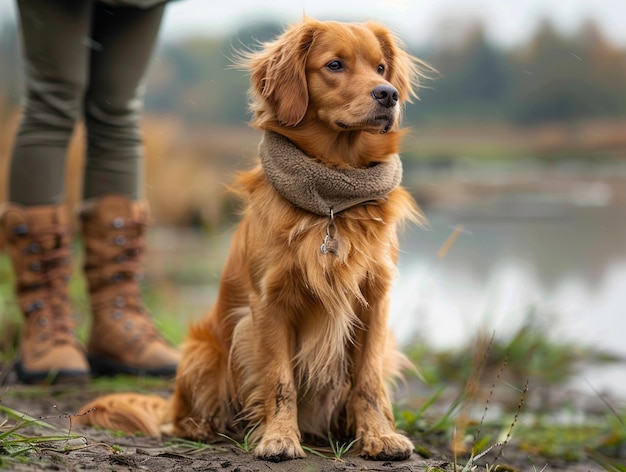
97	450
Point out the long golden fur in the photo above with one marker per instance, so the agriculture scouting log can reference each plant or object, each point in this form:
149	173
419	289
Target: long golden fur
297	344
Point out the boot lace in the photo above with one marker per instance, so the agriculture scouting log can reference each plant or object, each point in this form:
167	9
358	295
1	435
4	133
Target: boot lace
50	270
124	270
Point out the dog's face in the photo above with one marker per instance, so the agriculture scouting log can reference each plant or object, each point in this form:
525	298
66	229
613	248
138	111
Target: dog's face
349	72
346	77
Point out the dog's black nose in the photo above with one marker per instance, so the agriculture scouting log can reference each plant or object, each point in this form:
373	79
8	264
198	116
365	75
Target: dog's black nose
386	95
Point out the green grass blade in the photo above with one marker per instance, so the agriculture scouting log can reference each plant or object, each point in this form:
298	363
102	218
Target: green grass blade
28	420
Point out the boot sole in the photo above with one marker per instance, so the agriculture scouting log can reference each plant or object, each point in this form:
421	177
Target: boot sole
62	376
107	367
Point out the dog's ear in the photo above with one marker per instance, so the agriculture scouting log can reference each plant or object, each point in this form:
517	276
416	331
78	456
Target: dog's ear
405	71
278	73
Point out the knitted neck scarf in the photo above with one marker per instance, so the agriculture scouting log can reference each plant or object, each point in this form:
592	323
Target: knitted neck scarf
319	189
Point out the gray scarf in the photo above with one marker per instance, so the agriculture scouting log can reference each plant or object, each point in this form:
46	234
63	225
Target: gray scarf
319	189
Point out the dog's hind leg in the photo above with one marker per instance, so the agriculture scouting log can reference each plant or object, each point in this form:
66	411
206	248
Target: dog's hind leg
202	405
199	407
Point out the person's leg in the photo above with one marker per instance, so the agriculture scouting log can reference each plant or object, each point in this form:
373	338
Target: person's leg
55	50
114	219
35	223
124	43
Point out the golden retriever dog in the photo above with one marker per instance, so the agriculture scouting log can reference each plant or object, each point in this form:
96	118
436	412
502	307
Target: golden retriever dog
297	346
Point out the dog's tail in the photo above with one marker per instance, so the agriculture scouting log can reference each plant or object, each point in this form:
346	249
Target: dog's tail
128	412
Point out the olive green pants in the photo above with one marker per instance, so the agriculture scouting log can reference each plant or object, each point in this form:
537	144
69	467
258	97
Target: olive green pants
83	59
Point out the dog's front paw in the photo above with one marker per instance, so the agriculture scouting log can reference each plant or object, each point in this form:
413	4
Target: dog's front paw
386	447
279	448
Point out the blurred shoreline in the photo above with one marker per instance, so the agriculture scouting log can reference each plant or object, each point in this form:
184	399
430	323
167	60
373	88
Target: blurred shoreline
189	167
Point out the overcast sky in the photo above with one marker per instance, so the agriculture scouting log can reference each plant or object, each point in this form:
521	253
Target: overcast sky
508	21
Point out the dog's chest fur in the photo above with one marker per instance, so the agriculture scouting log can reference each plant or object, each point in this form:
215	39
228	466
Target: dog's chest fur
323	295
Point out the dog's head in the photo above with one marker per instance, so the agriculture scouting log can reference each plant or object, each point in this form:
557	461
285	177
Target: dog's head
343	76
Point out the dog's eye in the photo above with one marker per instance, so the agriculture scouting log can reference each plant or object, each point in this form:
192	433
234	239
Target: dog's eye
381	69
334	66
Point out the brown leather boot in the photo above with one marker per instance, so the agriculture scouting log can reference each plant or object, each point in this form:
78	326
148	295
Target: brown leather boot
123	337
38	241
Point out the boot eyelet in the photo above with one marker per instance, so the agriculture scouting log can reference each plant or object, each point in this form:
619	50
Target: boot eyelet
120	240
34	306
20	230
117	278
118	222
119	302
42	322
118	314
35	266
33	248
121	258
128	325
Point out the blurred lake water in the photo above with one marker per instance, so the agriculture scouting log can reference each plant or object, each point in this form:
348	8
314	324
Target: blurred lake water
557	251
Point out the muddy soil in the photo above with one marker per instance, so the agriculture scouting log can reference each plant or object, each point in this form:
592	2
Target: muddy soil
88	449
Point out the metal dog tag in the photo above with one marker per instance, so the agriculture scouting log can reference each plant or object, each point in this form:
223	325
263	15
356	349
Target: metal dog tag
331	244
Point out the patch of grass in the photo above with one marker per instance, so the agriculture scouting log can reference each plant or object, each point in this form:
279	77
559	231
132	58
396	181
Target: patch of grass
609	464
337	449
340	449
531	353
424	422
15	445
601	438
129	383
415	422
97	386
541	433
563	441
245	445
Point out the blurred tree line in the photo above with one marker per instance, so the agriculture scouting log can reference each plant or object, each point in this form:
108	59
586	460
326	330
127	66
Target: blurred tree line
552	77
